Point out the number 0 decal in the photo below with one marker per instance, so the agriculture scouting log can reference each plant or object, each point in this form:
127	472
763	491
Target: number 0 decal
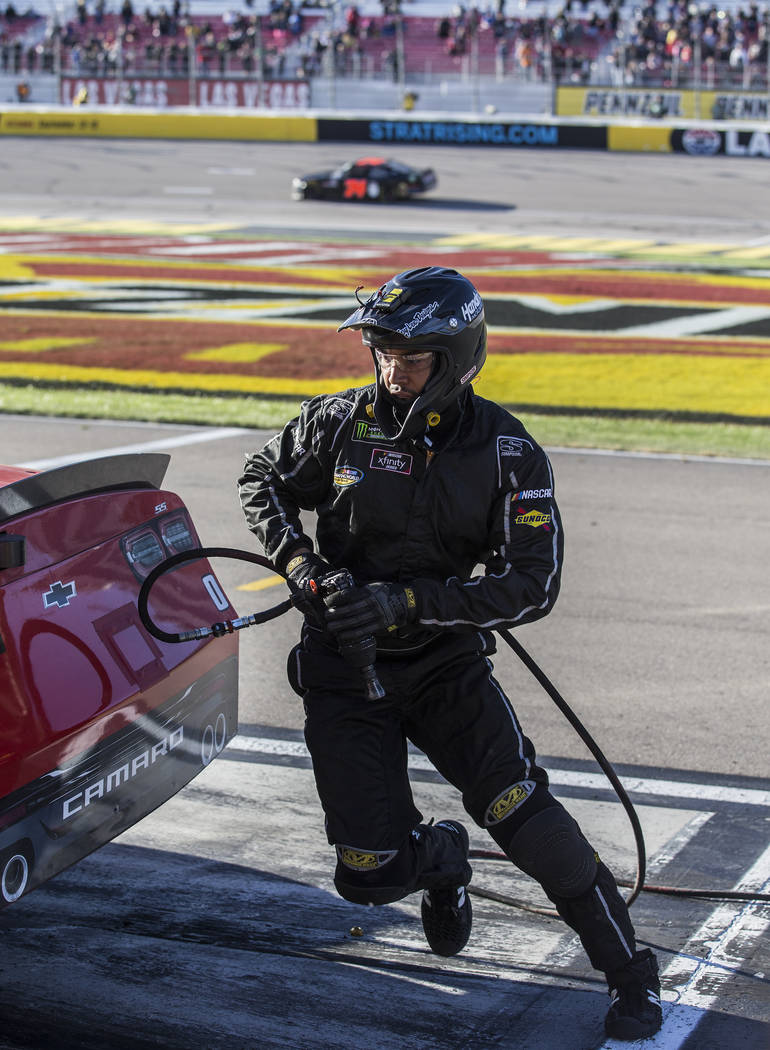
216	593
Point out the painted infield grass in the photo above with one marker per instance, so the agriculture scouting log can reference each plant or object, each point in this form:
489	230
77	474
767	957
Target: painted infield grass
559	340
283	360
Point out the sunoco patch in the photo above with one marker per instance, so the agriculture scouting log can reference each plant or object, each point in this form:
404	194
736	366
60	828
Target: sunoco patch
535	518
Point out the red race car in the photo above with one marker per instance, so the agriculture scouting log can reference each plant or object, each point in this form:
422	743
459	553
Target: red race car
100	722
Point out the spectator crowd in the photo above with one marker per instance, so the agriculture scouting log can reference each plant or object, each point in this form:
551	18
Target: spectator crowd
583	39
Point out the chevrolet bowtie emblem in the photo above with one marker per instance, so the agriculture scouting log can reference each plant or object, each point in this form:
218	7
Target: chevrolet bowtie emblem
60	594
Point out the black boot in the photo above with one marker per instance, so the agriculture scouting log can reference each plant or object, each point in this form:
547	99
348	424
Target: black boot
446	910
634	1011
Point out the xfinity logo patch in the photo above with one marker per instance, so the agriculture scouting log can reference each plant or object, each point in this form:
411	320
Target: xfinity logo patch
397	462
59	594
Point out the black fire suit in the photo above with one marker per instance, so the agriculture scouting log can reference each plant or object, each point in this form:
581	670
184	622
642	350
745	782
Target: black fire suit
472	525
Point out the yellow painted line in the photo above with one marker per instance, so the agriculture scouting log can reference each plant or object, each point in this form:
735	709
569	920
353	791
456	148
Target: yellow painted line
660	382
91	257
759	251
692	248
630	277
694	345
48	224
181	380
651	382
539	242
189	318
500	241
237	353
36	346
15	268
261	585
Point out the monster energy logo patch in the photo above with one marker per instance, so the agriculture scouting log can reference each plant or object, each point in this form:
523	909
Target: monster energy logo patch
508	802
363	860
365	431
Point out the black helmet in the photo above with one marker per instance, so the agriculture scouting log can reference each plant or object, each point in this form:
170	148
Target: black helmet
431	308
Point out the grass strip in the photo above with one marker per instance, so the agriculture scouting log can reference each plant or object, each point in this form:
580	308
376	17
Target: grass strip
580	431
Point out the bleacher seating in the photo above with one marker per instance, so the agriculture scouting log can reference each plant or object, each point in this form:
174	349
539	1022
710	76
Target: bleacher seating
392	40
484	47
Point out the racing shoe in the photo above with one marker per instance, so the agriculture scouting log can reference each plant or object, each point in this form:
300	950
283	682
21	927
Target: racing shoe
634	1011
446	911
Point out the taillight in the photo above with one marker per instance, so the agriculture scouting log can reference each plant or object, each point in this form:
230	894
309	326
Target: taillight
152	543
143	550
176	533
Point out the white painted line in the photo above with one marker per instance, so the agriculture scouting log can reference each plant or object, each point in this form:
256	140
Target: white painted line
561	777
675	845
197	190
159	445
727	924
231	171
681	457
666	788
228	247
698	324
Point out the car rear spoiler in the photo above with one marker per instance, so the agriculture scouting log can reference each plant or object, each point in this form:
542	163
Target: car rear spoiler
137	470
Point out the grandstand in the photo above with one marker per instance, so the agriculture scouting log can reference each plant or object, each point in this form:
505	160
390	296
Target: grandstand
422	40
401	43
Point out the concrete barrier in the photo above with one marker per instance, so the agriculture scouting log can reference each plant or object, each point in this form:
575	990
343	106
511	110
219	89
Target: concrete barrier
389	130
87	122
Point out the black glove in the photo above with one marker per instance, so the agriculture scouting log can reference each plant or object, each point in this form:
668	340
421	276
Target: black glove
300	570
359	612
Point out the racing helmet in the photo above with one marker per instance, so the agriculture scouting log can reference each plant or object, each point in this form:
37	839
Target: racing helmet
429	308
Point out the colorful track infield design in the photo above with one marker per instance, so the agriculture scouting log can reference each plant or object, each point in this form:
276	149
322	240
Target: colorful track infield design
571	329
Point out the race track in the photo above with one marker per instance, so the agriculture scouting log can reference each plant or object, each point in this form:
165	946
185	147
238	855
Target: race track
489	190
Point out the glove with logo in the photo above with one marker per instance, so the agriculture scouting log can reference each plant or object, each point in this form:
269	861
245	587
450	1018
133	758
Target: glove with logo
300	570
360	612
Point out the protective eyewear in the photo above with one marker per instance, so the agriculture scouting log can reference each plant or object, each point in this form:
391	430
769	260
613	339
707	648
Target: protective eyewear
409	362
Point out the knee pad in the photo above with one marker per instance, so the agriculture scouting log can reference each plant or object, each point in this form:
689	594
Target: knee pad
433	855
551	848
365	876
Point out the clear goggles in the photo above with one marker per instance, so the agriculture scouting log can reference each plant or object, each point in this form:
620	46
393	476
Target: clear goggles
409	362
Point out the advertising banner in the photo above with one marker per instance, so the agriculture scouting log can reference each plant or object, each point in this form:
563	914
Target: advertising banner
667	103
205	93
131	122
708	142
463	133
